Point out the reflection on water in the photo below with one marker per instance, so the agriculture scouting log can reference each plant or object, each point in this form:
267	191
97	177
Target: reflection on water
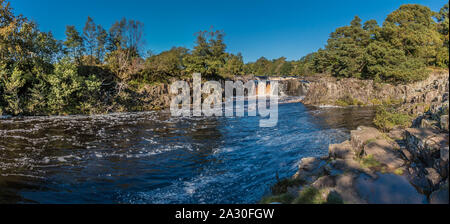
153	158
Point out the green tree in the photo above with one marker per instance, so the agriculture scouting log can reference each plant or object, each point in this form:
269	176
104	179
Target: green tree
442	57
208	56
90	38
168	64
411	28
234	66
74	43
346	50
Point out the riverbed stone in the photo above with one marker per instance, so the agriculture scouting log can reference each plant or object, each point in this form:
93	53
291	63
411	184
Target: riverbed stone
362	136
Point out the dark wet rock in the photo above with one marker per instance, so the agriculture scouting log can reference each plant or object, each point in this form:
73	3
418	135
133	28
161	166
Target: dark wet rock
362	136
440	196
341	151
425	143
309	164
384	152
421	183
310	169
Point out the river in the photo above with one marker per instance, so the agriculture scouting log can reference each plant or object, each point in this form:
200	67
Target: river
151	157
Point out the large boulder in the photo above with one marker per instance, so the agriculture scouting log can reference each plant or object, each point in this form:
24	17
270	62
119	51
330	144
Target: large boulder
362	136
425	144
341	151
434	178
384	152
310	169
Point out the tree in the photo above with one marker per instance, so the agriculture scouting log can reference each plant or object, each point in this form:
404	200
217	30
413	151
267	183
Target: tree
442	57
345	49
168	64
90	38
102	38
234	66
208	56
124	41
411	28
74	44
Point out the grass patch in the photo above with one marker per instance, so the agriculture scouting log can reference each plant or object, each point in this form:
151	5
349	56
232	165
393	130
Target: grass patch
285	198
370	141
392	101
281	187
334	198
387	119
312	195
309	195
370	162
399	171
348	101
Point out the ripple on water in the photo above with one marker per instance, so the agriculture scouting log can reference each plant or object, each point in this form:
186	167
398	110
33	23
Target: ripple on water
152	157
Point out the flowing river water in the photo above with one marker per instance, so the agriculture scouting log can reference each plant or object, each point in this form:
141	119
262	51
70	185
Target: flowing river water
151	157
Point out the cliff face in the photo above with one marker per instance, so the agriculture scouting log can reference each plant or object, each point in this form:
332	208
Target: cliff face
330	91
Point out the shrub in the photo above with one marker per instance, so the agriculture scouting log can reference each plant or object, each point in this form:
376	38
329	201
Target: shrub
387	120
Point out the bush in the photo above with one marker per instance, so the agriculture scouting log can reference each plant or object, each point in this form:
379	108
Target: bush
348	101
387	120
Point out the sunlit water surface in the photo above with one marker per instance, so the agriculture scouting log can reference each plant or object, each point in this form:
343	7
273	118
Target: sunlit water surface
152	157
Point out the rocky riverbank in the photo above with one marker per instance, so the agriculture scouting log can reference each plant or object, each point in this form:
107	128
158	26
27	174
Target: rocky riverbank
403	165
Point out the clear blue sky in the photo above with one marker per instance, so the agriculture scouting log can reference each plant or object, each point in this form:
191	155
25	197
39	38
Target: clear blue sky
290	28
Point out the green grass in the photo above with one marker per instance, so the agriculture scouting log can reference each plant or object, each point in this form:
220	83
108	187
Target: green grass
399	171
285	198
370	162
387	119
312	195
348	101
309	195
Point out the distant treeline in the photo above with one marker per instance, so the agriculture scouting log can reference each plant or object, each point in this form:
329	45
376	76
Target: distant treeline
96	69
